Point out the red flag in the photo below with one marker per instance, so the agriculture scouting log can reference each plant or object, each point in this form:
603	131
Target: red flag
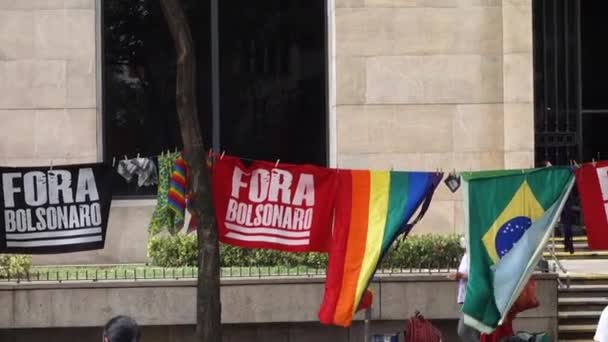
592	183
284	207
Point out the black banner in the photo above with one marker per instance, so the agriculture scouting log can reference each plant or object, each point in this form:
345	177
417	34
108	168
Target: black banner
60	210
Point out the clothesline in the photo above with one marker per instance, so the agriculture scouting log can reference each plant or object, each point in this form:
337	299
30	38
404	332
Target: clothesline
211	155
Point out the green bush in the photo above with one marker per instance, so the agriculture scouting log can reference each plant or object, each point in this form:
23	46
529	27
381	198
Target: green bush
421	251
425	251
173	250
14	266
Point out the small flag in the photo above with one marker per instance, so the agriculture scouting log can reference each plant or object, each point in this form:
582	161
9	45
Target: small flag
372	209
592	184
177	191
509	215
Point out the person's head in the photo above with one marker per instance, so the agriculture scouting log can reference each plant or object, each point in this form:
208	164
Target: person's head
121	329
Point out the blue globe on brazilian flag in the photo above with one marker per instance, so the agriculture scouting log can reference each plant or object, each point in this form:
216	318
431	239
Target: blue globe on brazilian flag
509	215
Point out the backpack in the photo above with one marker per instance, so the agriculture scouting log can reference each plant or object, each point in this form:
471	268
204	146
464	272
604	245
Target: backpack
418	329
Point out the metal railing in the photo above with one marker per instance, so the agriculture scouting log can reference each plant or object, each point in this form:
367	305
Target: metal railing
144	272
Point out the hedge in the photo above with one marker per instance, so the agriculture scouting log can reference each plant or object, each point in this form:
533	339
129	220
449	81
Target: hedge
14	266
419	251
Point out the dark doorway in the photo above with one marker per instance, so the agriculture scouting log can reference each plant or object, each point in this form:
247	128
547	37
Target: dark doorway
571	106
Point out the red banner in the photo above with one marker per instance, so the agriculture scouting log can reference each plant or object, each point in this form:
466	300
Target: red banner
592	183
285	207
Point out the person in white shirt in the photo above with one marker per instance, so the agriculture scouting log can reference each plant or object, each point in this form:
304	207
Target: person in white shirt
465	332
601	334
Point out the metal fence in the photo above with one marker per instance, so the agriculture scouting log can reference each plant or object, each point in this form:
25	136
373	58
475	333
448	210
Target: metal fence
143	272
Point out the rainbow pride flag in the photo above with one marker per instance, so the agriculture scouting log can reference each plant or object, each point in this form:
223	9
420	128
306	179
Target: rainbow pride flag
372	209
177	191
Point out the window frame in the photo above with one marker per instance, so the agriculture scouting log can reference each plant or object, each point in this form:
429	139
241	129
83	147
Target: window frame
331	151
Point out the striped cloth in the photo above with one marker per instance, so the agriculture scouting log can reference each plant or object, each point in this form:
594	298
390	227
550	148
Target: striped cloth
177	191
163	217
372	209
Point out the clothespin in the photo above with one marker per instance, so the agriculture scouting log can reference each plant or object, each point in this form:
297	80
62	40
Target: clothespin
126	157
138	156
223	154
277	163
51	168
593	162
113	161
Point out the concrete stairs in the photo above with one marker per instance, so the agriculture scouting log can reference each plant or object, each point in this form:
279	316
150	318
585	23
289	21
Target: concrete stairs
580	304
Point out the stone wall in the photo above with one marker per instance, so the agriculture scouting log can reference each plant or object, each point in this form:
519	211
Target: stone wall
48	106
273	309
434	84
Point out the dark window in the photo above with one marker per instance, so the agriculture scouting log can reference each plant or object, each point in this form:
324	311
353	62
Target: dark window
594	29
273	80
594	53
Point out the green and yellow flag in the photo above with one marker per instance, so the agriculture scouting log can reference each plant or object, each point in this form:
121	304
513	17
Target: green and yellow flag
509	215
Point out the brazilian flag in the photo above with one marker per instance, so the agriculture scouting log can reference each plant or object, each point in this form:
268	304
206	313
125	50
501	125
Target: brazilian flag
509	216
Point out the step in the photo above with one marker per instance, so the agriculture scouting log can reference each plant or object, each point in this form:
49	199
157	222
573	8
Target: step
584	290
579	317
578	255
563	250
576	245
576	331
582	328
582	304
574	238
583	300
579	314
560	242
585	278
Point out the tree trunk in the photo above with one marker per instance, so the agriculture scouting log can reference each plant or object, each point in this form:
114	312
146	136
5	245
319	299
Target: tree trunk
208	306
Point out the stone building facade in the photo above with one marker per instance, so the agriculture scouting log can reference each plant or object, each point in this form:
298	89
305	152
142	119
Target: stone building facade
413	85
